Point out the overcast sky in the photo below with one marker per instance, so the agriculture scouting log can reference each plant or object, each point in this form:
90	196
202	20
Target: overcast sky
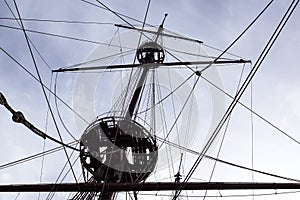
276	86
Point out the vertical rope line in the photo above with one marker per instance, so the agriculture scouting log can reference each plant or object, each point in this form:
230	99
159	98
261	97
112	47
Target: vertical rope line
165	130
224	134
179	114
252	134
42	167
46	129
173	104
153	119
122	61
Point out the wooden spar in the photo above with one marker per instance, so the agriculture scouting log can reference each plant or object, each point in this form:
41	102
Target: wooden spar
162	34
148	186
170	64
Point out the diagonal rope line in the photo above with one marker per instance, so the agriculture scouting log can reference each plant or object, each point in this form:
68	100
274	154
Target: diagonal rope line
128	17
171	54
35	48
250	25
122	53
220	50
223	137
161	100
143	26
16	19
58	21
258	63
144	22
179	114
35	156
226	162
124	20
43	89
116	14
35	78
58	112
62	36
258	16
52	193
252	111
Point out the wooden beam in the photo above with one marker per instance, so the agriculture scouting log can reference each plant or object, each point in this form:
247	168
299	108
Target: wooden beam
148	186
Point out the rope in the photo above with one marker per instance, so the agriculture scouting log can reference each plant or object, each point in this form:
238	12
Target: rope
179	114
35	78
58	21
58	112
131	18
35	156
63	36
243	88
223	137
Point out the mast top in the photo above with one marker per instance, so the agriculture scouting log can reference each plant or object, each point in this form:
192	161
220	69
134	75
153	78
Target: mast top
150	52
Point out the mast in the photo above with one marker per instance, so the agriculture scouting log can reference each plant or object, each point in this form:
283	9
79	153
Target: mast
148	54
137	94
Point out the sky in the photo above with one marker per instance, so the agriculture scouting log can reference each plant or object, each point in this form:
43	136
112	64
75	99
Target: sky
275	87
